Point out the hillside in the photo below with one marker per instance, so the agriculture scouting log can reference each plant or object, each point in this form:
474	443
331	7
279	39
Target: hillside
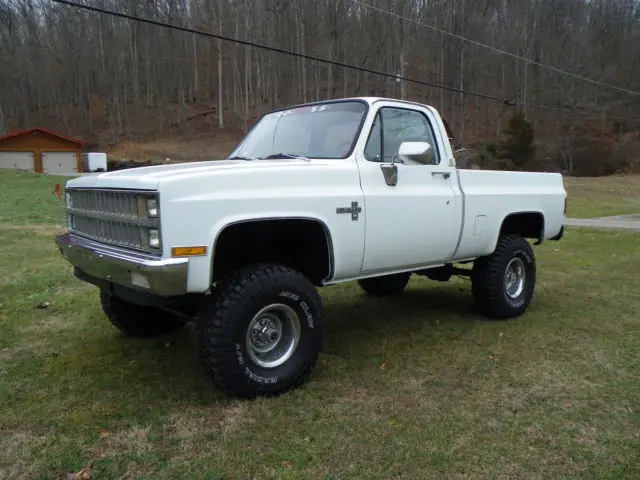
135	89
172	133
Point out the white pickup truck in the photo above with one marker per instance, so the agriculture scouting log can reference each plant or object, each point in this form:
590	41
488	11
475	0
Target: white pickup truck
362	189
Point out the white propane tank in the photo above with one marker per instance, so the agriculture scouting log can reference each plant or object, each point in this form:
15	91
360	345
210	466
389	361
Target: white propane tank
94	161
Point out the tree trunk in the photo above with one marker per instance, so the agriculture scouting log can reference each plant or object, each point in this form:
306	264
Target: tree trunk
220	90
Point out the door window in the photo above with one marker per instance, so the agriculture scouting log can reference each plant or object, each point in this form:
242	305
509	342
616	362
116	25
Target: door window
391	127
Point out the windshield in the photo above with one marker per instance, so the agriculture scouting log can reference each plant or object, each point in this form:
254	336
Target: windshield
317	131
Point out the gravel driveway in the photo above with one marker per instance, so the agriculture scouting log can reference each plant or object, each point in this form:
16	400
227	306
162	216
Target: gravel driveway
625	222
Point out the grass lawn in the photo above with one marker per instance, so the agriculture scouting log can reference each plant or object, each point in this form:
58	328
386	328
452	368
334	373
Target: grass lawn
27	198
604	196
414	386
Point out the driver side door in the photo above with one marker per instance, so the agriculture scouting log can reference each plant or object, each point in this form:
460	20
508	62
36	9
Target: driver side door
415	222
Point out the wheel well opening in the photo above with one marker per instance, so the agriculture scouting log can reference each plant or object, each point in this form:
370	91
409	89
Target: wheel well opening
525	224
301	244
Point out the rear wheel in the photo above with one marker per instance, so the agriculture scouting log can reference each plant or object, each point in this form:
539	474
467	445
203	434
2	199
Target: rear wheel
385	285
138	321
503	282
262	334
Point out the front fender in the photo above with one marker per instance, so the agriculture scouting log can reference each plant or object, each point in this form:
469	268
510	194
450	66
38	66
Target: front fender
232	220
195	213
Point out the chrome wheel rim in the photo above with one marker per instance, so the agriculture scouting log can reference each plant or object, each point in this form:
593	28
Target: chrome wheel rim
514	278
273	335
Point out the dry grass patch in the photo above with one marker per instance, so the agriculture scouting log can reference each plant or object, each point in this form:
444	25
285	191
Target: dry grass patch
603	196
18	448
209	147
619	184
48	324
206	431
40	229
131	440
218	420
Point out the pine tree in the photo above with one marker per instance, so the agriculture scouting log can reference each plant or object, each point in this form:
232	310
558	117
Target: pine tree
518	145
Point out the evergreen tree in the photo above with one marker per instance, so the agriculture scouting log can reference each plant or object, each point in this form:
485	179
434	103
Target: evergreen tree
518	145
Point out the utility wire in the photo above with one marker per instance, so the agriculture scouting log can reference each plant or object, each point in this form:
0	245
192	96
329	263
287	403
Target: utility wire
580	114
506	101
283	51
498	50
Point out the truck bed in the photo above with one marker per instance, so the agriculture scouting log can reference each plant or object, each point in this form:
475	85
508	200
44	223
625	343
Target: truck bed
490	195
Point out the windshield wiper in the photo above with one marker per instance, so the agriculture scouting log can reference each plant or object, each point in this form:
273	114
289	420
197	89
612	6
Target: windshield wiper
237	157
284	155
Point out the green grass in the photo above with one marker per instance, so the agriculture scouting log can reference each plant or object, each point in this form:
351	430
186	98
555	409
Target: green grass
27	198
603	196
414	386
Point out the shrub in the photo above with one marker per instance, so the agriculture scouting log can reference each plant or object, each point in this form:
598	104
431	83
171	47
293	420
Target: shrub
123	164
586	150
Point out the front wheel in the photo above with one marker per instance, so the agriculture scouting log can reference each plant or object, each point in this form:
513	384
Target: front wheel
262	334
503	282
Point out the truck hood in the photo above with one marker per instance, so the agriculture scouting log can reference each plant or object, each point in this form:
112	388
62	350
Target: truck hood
149	178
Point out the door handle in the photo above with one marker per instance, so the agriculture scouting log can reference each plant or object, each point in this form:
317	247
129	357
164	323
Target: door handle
444	174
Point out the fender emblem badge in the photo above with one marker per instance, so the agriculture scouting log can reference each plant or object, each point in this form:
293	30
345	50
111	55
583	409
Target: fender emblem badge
354	210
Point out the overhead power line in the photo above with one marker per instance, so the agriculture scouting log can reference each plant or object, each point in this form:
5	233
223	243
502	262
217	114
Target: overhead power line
497	50
506	101
280	50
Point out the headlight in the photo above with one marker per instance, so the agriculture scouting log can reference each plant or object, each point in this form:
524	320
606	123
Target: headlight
154	238
152	207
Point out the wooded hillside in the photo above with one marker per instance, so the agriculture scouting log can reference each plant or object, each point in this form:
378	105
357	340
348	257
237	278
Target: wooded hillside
110	79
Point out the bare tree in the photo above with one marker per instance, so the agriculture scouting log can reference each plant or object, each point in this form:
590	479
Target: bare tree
87	72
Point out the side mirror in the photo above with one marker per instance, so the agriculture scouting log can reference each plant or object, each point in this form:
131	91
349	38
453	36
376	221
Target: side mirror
416	152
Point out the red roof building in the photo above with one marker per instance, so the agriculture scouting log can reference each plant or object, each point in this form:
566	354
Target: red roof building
42	151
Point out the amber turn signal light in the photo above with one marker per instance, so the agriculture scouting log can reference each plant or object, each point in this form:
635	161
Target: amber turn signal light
188	251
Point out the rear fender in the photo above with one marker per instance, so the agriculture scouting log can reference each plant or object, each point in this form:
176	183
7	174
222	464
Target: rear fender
528	224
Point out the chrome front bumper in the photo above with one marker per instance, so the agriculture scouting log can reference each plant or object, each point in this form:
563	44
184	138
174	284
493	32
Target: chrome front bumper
160	276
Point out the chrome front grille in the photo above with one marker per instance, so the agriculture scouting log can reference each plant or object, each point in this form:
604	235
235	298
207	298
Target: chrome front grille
113	203
116	217
105	230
